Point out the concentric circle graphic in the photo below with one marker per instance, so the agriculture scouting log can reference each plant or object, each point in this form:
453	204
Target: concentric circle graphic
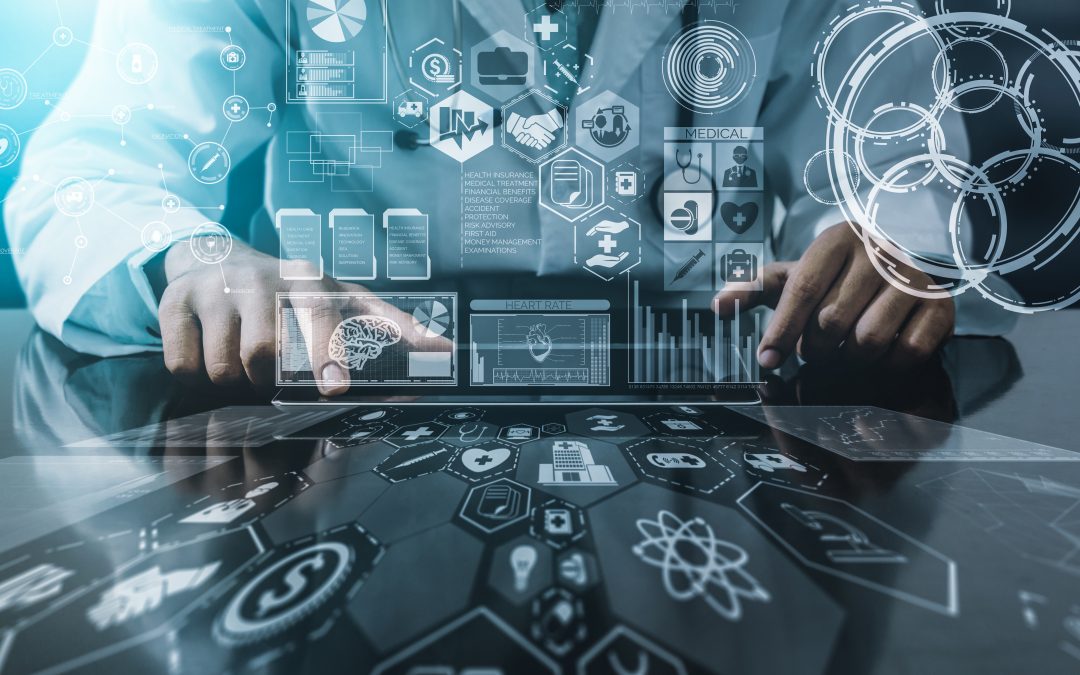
709	67
896	164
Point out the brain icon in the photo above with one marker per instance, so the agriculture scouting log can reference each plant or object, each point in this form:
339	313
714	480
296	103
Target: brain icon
360	339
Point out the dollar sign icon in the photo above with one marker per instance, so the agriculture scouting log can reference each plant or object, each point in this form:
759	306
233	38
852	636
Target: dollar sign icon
436	68
295	579
285	593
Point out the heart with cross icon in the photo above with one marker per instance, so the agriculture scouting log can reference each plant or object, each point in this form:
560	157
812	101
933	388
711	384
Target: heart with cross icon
739	217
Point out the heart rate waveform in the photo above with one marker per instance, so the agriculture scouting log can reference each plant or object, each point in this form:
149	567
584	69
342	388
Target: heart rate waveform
550	350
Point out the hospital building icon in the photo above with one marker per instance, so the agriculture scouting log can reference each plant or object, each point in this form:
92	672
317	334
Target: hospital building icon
573	464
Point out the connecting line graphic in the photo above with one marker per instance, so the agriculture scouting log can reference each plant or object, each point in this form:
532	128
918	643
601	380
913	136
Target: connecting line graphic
695	564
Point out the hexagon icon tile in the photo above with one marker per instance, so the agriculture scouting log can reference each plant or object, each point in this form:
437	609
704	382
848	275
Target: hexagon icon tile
557	523
679	463
678	567
546	29
572	185
435	68
534	126
415	460
605	424
461	126
433	570
520	569
410	108
576	469
411	434
470	433
503	65
607	244
577	569
482	461
606	126
496	505
519	433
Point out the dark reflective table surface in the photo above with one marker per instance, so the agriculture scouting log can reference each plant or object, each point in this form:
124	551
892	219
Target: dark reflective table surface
858	523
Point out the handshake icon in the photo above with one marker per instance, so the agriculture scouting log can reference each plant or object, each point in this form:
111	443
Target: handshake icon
535	131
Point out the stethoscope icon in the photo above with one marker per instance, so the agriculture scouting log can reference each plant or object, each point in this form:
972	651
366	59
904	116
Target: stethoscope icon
685	166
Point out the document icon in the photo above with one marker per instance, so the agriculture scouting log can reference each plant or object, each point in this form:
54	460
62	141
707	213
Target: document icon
300	240
406	244
354	244
571	184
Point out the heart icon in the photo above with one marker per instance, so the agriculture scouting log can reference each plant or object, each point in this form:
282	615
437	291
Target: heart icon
480	460
739	217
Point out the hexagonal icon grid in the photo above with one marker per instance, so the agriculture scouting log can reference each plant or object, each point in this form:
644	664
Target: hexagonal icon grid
546	29
557	523
608	244
534	126
572	185
411	434
626	183
572	75
577	569
606	125
461	126
605	424
519	433
415	460
484	460
520	569
503	65
410	108
679	463
496	505
435	68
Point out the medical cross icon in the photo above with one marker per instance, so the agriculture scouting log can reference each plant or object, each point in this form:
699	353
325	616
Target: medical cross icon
414	434
545	28
740	220
608	244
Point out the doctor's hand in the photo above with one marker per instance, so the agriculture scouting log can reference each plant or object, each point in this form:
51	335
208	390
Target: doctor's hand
832	304
230	338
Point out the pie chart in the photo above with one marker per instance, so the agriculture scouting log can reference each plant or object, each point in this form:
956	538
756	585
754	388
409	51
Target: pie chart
432	318
336	20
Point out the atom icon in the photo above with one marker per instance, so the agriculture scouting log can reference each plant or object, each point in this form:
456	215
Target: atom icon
695	564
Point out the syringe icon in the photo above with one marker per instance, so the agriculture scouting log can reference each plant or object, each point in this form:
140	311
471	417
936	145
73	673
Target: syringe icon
564	71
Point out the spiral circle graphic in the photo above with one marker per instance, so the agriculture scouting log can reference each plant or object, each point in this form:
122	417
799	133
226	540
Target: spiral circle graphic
709	67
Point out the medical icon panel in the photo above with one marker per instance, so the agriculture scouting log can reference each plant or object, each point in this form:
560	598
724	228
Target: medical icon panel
688	216
435	68
461	126
739	266
740	165
740	216
547	27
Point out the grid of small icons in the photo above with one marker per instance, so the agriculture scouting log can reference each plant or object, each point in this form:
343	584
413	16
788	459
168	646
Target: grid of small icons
714	210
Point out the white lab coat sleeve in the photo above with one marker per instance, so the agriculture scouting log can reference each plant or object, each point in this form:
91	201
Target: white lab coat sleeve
797	129
83	277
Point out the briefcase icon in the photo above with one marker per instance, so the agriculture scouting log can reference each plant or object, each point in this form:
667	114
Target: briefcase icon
502	66
738	266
